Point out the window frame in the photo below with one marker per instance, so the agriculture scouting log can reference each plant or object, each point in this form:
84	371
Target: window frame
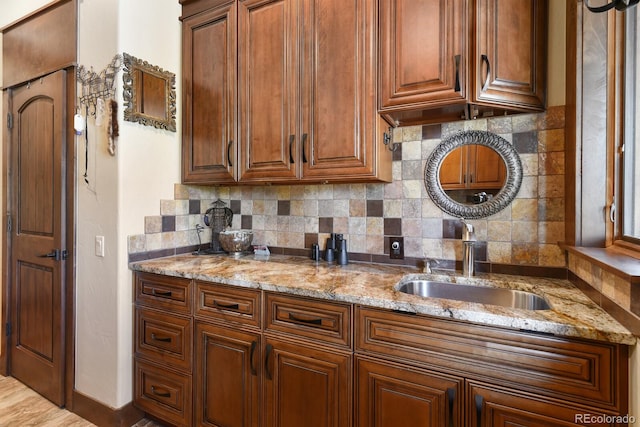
619	41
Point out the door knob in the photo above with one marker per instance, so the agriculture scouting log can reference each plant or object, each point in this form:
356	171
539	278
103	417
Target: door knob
55	254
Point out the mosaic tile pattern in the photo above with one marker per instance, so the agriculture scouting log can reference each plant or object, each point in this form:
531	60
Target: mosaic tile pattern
295	216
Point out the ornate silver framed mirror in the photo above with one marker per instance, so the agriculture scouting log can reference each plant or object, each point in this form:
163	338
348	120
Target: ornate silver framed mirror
149	94
473	174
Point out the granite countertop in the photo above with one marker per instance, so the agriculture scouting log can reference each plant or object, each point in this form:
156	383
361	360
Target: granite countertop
573	314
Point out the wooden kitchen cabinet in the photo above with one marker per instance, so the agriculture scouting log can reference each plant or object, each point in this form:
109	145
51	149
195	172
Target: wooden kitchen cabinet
281	91
307	81
473	167
211	354
308	362
163	347
446	61
228	383
209	73
395	395
306	385
509	377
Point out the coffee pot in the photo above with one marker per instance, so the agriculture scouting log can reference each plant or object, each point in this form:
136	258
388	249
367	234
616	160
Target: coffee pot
218	217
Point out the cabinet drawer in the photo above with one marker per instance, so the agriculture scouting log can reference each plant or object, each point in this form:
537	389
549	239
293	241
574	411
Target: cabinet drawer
163	393
323	321
164	338
228	303
172	293
586	372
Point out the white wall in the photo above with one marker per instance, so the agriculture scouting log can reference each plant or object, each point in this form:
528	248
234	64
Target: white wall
122	190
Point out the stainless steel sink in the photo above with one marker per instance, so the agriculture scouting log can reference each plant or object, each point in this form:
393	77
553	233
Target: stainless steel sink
478	294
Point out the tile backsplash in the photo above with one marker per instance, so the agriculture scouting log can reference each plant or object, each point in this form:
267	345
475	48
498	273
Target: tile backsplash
295	216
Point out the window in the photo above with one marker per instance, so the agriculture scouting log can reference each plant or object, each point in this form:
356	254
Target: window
628	185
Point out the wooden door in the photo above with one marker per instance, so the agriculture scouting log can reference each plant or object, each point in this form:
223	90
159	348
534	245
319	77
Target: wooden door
209	144
338	76
267	66
306	386
388	395
509	63
228	377
38	246
423	51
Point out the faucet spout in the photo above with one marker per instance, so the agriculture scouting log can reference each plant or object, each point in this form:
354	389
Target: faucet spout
468	249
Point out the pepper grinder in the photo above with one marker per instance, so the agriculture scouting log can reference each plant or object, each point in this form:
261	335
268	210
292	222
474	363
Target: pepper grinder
330	249
343	256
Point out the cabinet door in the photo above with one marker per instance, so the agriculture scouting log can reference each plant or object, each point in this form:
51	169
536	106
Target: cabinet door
487	169
453	170
228	380
389	395
306	386
338	103
495	407
267	58
423	48
209	96
509	66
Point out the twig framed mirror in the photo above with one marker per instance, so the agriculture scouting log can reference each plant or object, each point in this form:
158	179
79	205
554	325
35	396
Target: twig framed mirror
149	94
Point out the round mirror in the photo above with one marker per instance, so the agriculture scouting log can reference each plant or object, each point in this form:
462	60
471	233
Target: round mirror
473	174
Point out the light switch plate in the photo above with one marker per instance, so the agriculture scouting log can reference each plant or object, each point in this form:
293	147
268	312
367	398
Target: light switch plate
396	247
99	249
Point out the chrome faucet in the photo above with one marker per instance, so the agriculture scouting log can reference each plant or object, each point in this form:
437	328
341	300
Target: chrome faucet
428	262
468	248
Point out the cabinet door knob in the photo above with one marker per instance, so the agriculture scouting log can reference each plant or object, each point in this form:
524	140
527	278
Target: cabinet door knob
254	344
229	145
292	139
485	59
267	358
479	400
456	86
304	152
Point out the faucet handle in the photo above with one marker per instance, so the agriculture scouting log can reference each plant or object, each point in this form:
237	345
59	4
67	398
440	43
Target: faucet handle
428	262
467	231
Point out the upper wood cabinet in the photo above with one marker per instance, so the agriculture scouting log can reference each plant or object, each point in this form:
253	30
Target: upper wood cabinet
291	99
209	95
446	61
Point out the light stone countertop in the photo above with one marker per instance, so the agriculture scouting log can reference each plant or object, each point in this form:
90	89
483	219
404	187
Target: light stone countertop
573	314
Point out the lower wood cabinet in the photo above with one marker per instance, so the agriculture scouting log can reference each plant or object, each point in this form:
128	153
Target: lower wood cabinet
215	355
227	389
306	386
395	395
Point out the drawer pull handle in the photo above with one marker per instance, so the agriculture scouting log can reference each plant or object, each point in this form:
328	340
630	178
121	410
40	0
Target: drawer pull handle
157	293
227	306
451	395
479	400
254	344
161	339
304	154
160	392
314	321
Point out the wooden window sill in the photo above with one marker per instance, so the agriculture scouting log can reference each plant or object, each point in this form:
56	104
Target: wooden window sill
613	259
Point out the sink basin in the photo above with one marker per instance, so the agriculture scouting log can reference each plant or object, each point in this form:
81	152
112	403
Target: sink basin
478	294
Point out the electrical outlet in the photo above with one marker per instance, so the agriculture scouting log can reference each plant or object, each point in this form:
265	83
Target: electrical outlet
396	247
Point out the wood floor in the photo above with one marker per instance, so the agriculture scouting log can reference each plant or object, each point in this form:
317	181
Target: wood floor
21	406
